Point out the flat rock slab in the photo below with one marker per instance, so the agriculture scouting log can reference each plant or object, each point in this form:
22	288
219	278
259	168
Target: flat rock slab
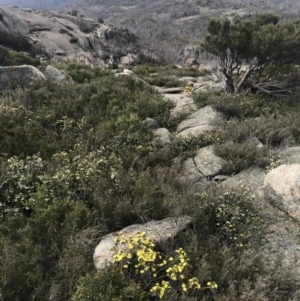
168	90
252	177
207	162
204	119
282	189
183	103
159	231
291	155
191	173
187	79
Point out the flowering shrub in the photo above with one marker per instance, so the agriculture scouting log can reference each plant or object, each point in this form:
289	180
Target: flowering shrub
188	89
155	272
237	219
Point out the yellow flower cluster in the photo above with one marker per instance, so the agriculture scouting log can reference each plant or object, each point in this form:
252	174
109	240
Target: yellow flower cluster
188	89
137	254
212	285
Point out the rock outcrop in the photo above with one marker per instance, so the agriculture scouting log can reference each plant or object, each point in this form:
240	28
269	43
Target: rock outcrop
159	231
290	155
70	38
204	119
282	188
23	76
56	76
204	164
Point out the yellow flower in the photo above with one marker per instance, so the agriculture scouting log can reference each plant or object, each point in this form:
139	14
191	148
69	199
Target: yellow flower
183	286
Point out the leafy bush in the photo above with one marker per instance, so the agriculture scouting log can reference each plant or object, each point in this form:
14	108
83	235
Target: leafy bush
151	269
108	285
192	143
82	73
239	156
13	58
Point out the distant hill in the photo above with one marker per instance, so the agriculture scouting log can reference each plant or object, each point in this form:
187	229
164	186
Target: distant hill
170	25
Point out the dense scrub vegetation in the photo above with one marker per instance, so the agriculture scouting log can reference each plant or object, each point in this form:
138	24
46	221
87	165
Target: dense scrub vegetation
77	162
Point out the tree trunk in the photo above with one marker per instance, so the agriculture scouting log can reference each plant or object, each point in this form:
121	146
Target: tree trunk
229	85
243	80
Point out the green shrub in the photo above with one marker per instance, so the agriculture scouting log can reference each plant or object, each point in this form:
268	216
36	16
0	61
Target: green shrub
272	130
187	145
13	58
83	73
109	285
239	156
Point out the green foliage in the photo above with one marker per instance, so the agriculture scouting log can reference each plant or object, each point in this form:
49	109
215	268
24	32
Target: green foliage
155	272
13	58
258	41
82	73
240	106
77	162
185	146
165	76
237	219
239	156
108	285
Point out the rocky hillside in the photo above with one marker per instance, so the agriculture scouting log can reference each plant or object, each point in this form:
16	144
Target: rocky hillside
172	26
70	37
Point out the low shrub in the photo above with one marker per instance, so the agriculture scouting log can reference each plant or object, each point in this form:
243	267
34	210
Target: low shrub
13	58
108	285
273	130
239	156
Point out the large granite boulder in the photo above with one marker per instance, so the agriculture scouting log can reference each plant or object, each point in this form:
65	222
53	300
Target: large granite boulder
205	119
56	76
164	137
290	155
204	164
207	162
158	231
252	177
23	76
70	38
282	188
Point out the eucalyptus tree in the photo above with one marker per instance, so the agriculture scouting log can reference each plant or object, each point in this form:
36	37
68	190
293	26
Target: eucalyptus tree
248	48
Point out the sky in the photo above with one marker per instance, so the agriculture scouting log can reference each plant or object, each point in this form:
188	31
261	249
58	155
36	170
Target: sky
33	3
